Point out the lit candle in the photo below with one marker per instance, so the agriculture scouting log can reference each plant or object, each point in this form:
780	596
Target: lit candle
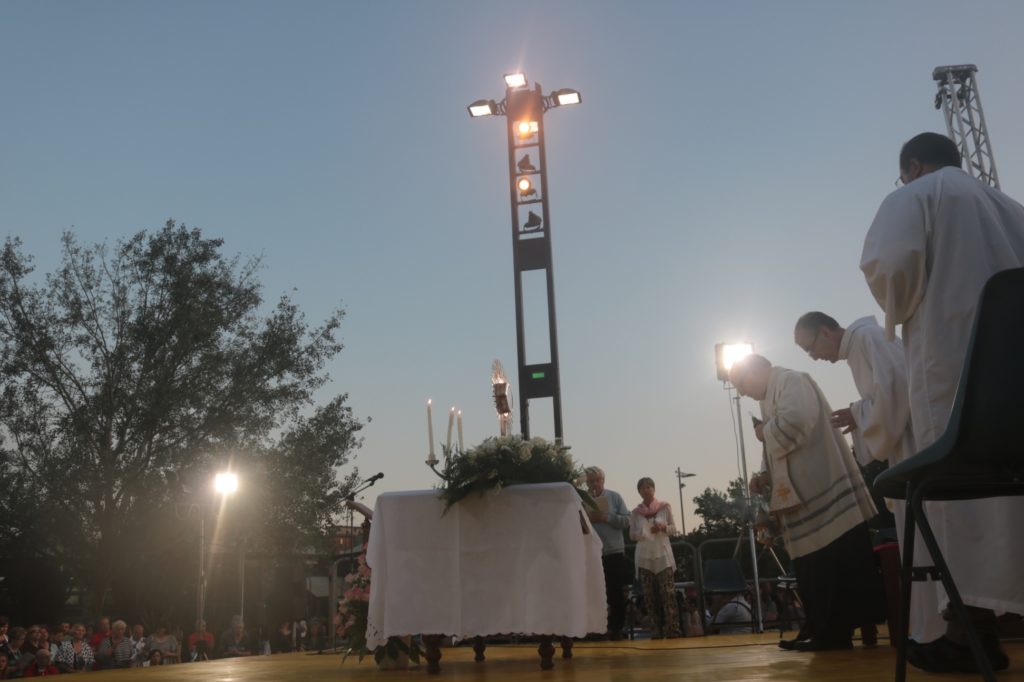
430	428
451	421
460	431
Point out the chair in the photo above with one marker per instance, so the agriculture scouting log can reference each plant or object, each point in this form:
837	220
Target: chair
725	576
981	453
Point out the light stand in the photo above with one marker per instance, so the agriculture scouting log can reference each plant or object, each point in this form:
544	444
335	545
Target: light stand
726	354
748	511
680	475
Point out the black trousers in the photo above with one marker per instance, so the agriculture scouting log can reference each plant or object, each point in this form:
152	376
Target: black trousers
616	577
841	587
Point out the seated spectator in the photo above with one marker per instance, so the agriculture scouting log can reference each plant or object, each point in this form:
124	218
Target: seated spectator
235	641
75	654
3	666
116	650
736	610
99	633
16	648
139	645
32	639
5	625
155	659
166	643
42	666
317	635
301	633
200	643
56	637
281	641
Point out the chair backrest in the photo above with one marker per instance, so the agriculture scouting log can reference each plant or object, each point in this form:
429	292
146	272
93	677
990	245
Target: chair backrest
724	576
988	410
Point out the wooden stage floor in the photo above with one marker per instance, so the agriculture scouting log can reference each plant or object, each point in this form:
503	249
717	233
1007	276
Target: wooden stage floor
721	657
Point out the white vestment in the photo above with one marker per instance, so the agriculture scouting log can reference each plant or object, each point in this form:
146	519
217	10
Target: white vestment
928	253
883	432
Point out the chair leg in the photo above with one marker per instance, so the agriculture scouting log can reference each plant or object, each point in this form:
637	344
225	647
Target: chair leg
959	610
906	584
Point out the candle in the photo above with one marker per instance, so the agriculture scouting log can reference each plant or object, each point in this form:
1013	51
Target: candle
461	448
430	428
451	421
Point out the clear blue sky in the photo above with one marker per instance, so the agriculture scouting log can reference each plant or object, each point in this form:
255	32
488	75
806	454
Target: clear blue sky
715	183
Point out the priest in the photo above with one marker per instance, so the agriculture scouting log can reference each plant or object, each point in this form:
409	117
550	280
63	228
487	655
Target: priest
819	499
932	246
879	423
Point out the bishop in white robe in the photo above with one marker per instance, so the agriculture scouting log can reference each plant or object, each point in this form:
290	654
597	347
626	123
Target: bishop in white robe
927	255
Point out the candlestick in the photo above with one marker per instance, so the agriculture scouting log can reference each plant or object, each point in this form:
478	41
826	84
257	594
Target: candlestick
461	448
451	422
430	431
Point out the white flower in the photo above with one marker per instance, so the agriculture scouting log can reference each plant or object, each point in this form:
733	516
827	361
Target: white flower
525	452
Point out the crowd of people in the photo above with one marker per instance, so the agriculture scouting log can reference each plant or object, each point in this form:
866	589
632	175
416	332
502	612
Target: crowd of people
40	650
933	245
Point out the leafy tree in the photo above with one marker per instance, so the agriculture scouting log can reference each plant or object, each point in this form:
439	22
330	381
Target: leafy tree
722	514
130	373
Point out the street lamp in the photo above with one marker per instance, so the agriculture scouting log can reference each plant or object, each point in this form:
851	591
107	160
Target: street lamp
524	111
680	475
224	484
726	355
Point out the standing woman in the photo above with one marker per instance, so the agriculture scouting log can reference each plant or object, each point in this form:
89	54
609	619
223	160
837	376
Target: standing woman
650	526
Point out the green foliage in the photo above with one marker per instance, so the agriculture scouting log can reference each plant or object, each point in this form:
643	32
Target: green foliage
133	372
508	460
722	513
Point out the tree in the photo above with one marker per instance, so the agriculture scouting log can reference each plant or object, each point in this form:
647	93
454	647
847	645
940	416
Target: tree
722	513
133	372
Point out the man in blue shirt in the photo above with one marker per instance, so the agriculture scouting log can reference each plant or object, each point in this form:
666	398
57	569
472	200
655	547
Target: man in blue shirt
610	519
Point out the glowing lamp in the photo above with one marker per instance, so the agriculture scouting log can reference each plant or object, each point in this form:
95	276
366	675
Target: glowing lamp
225	483
727	354
566	96
483	107
527	128
515	80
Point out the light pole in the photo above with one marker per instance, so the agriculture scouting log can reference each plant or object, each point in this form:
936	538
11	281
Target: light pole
524	111
680	475
224	484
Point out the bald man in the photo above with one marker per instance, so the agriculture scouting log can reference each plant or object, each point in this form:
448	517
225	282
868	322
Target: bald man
819	499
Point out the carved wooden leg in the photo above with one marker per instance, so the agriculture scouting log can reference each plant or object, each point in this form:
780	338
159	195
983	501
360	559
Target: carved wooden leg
567	647
546	651
478	648
432	643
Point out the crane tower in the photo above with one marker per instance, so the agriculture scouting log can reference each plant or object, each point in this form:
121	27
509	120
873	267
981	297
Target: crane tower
965	122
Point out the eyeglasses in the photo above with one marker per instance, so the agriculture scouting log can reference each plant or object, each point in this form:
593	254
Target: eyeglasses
899	181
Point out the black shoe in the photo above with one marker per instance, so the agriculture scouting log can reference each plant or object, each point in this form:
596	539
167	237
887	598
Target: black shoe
790	644
823	645
869	635
946	656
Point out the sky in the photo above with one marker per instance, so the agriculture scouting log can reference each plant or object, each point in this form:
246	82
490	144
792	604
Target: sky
715	183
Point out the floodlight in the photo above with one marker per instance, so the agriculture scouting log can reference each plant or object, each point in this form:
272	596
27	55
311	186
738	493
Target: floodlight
566	96
225	483
727	354
515	80
524	184
483	107
527	128
533	222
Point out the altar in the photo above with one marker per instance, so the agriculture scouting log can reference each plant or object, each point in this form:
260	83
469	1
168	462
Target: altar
520	560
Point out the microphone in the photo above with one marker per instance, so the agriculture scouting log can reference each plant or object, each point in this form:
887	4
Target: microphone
373	479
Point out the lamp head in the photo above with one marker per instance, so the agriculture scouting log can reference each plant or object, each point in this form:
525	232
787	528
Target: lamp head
515	80
225	483
566	96
483	107
726	355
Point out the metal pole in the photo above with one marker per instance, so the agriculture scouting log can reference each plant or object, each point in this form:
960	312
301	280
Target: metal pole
749	517
241	578
682	519
201	583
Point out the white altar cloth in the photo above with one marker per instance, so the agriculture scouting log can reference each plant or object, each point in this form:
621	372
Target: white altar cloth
524	559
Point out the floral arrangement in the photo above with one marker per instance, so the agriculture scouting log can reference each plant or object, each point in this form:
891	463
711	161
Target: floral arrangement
354	616
508	460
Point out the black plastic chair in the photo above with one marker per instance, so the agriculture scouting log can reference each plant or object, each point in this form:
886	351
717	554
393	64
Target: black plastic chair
725	576
981	453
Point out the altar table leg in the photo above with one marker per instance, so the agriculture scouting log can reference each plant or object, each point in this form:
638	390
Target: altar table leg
478	648
567	647
432	643
546	651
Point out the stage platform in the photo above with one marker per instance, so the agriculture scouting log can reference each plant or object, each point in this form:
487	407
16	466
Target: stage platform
720	657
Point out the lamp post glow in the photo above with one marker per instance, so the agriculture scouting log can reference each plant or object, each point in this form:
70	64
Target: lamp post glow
727	355
524	109
225	483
